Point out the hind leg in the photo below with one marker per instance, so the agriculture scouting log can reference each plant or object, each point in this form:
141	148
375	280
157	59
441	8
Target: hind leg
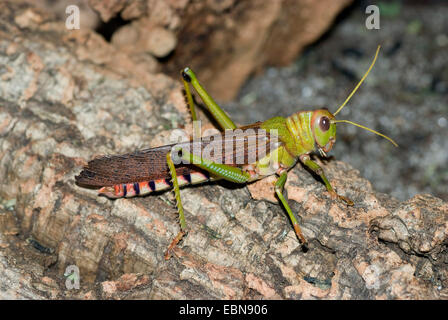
222	171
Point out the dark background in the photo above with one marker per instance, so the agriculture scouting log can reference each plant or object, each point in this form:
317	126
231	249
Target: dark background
405	96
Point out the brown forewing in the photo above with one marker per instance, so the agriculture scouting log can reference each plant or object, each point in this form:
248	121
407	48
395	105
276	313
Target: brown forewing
150	164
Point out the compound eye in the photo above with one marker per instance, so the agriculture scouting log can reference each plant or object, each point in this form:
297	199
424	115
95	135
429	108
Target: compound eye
324	123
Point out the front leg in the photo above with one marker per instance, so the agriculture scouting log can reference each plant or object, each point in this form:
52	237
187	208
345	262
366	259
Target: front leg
306	160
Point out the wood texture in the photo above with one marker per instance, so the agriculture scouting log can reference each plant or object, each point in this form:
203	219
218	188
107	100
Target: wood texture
60	105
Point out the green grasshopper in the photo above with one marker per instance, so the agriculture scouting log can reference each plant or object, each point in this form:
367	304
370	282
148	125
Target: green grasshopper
283	140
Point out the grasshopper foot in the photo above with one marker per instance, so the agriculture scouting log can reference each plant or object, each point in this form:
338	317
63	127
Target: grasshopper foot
301	237
336	196
173	244
304	247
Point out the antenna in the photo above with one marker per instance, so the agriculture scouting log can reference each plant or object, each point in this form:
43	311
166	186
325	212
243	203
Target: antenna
359	83
352	93
368	129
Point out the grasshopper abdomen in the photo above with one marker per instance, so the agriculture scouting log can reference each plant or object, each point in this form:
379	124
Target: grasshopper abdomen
129	190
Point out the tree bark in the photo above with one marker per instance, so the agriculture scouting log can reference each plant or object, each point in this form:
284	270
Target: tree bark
68	96
225	41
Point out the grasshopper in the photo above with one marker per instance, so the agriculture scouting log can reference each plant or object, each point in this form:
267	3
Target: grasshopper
284	142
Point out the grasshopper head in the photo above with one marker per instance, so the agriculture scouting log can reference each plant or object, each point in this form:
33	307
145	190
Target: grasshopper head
323	122
324	130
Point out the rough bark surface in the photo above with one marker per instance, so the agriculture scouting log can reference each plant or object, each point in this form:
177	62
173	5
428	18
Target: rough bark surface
67	96
225	41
